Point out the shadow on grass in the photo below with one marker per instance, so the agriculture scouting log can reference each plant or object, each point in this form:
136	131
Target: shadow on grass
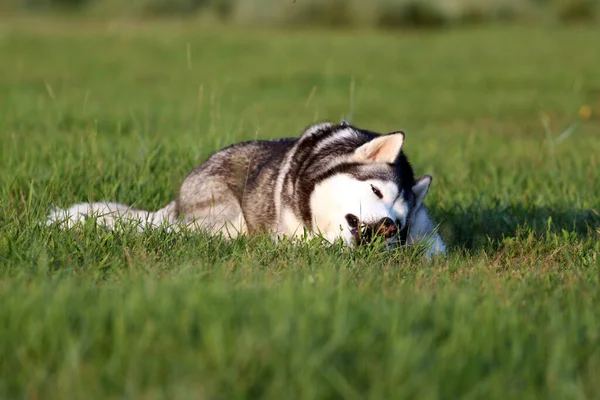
475	227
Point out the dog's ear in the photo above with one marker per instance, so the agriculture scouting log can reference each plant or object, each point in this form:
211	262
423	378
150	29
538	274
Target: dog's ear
383	149
420	189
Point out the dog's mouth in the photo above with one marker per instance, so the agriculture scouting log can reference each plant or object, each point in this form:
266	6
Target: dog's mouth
366	233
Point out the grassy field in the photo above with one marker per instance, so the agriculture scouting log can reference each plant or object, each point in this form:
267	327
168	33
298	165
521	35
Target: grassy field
507	120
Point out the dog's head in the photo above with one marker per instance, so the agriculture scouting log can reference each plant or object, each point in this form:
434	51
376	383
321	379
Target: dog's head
366	199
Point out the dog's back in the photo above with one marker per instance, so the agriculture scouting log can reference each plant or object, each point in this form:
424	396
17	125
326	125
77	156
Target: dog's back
234	188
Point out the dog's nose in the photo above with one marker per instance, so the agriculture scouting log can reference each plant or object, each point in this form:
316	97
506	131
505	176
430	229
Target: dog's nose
387	228
353	221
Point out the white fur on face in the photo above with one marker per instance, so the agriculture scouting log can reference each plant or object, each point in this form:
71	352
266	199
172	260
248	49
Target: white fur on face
340	195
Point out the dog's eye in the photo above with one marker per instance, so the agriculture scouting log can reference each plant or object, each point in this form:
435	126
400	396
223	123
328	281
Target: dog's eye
377	192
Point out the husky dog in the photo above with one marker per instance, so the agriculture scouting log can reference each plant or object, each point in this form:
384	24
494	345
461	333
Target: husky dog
336	181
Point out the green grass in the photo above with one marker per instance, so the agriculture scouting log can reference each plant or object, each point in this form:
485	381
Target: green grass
90	112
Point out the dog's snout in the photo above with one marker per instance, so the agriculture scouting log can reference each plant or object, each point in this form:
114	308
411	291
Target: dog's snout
352	220
364	233
387	228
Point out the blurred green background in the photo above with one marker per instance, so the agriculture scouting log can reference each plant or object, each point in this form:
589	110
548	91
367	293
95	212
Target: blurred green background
376	13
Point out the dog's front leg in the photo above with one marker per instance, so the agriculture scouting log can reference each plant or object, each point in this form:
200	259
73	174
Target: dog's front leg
423	231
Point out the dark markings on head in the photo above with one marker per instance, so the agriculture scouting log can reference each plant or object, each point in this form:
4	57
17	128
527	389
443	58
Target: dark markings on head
309	167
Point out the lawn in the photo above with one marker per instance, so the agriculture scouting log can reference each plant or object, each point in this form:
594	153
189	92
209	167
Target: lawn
506	120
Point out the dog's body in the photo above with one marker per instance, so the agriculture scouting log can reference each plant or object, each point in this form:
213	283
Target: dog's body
337	181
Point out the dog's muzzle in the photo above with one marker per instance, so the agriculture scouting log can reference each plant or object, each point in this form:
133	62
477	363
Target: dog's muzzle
385	228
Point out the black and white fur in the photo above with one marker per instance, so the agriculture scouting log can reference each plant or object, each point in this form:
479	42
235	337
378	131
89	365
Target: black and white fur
336	181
